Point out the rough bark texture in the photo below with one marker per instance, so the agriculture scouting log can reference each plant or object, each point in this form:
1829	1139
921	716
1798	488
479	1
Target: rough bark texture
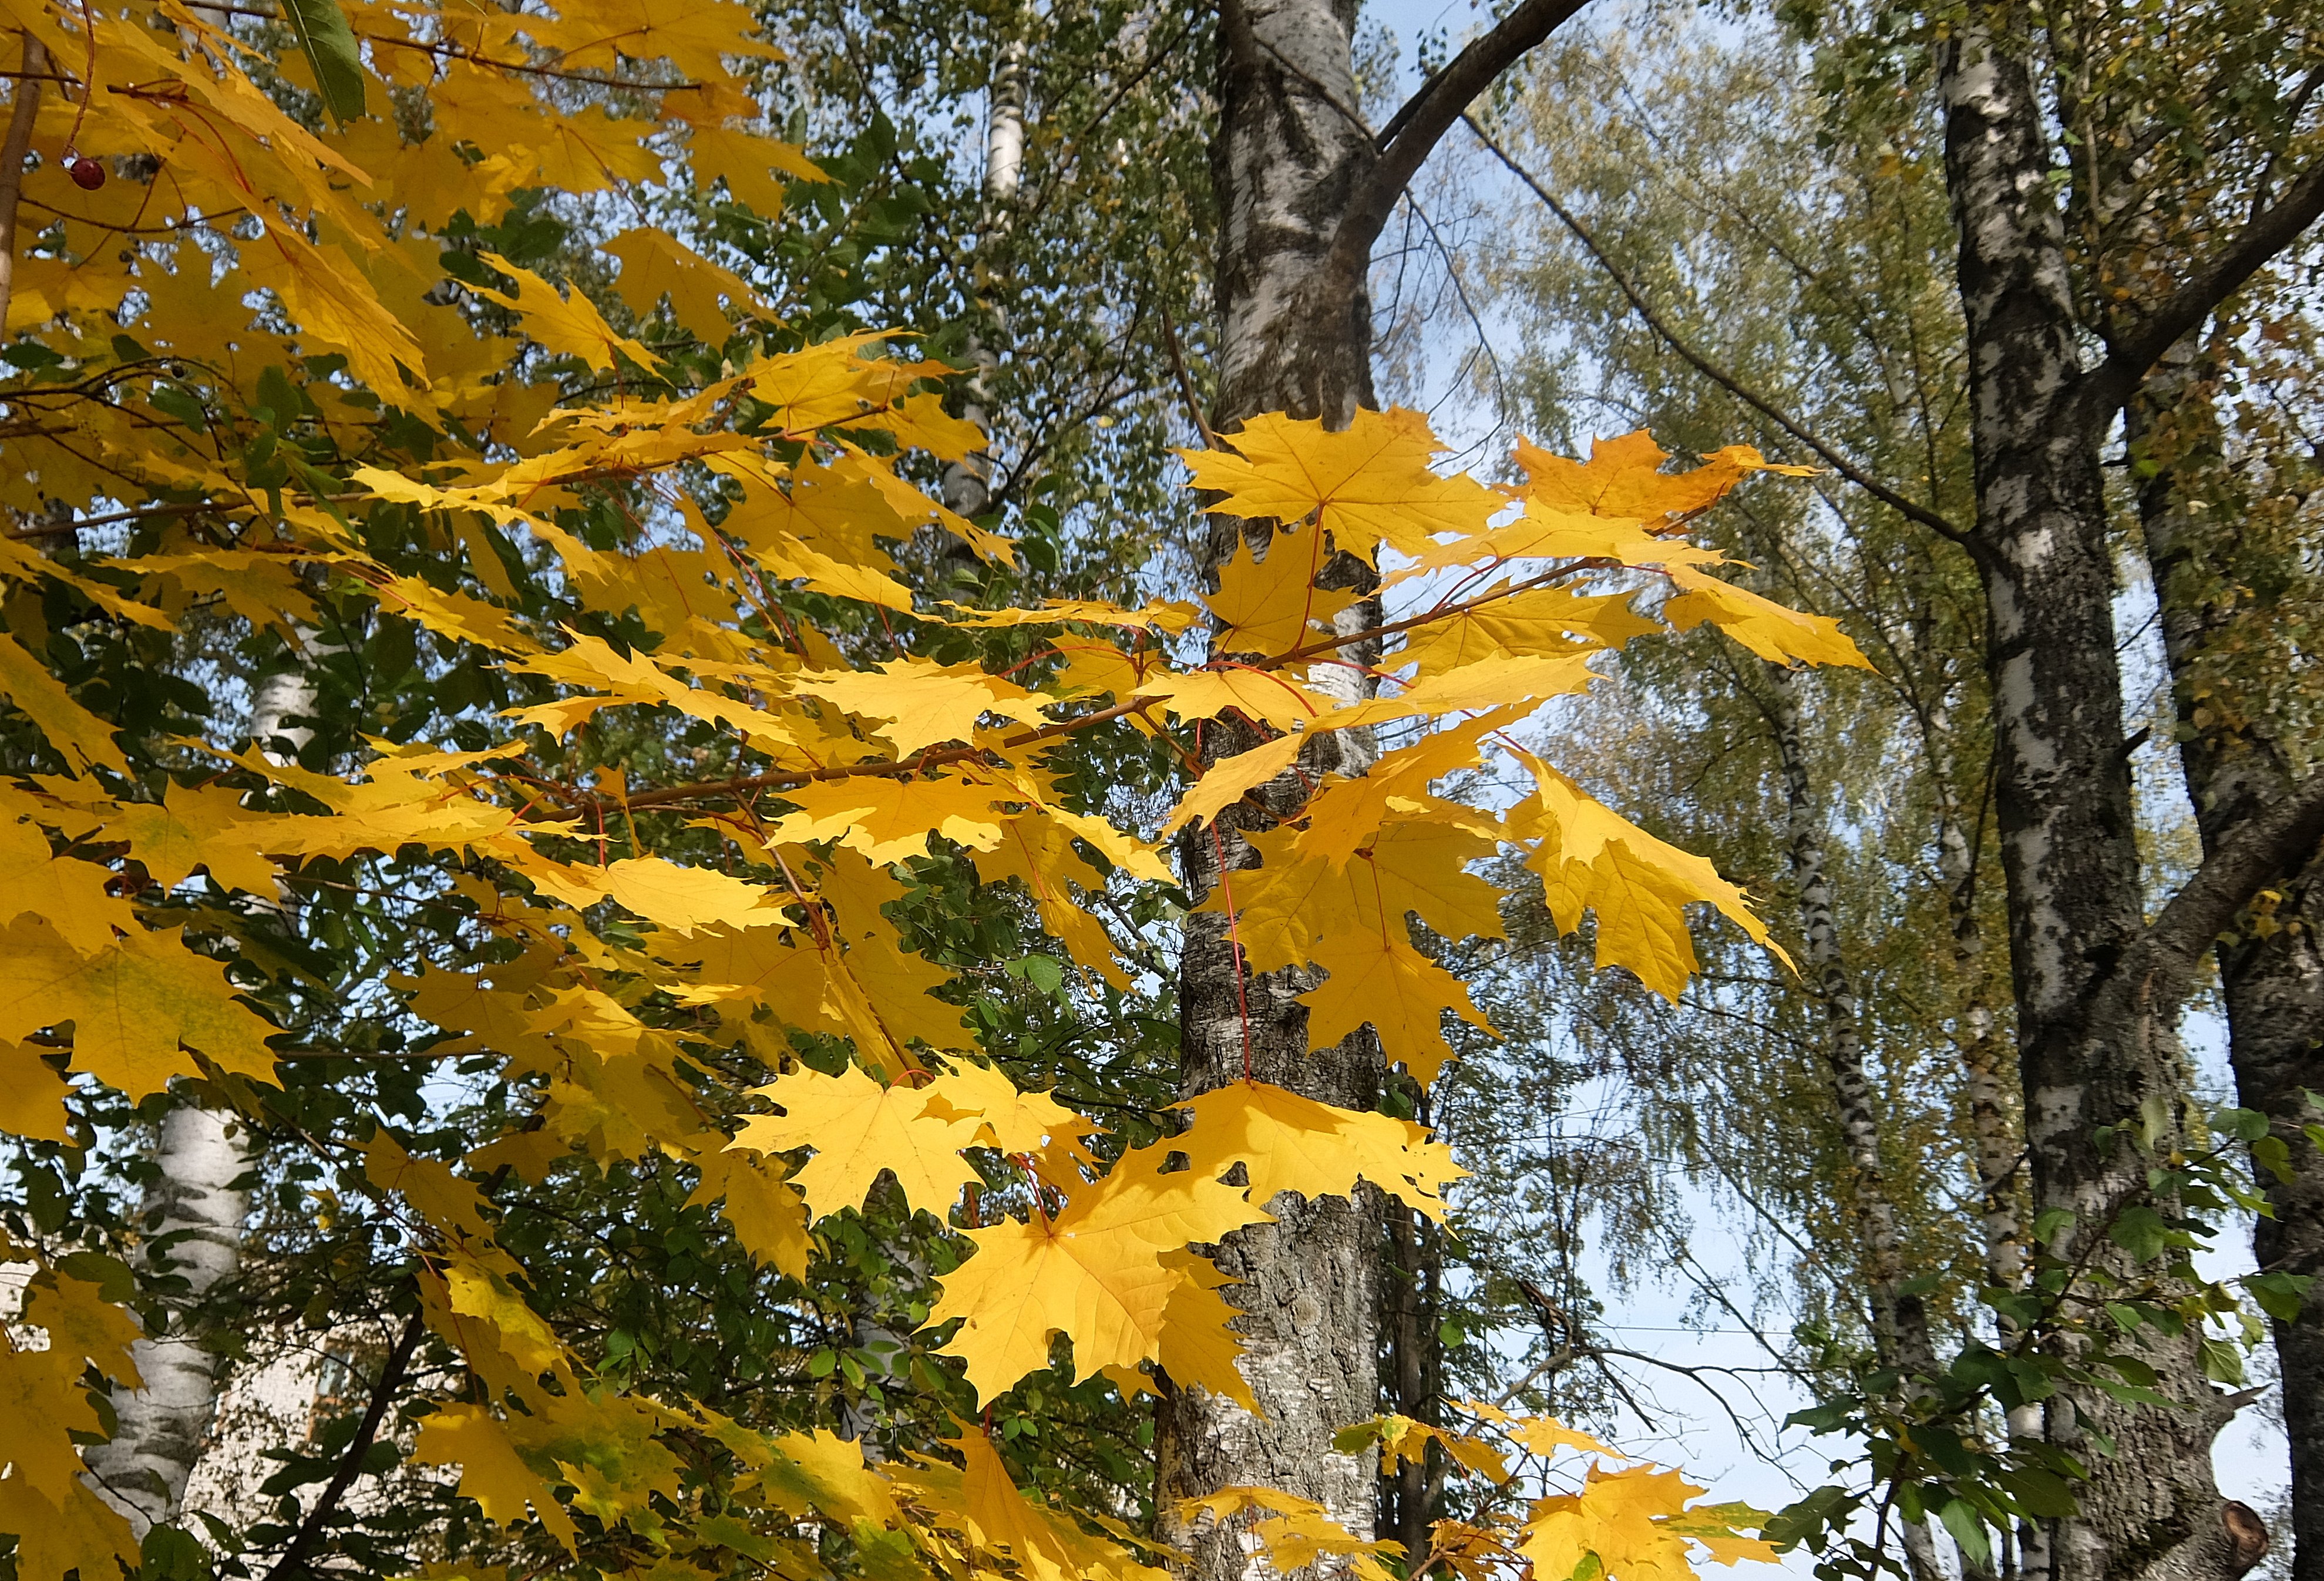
2271	972
2091	1049
1287	153
196	1208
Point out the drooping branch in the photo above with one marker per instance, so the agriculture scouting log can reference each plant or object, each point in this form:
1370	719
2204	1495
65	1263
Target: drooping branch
1909	509
1414	131
2108	385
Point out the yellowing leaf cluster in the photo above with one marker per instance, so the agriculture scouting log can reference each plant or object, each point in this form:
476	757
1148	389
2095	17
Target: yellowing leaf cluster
304	407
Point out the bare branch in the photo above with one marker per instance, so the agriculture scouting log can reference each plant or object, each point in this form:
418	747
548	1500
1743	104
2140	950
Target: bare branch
1414	131
1910	510
2107	386
2281	837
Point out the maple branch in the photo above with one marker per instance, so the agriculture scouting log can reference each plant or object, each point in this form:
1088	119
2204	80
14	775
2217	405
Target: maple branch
937	757
2106	387
1414	131
21	114
390	1378
143	514
1910	510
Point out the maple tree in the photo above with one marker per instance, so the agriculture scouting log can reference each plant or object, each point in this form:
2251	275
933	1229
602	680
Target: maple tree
287	384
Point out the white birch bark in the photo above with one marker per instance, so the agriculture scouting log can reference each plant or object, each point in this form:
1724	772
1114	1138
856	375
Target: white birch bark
196	1211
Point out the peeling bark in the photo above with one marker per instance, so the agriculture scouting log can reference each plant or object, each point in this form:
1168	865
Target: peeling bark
2271	970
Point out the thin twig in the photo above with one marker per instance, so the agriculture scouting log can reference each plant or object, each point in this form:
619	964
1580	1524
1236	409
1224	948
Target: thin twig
383	1394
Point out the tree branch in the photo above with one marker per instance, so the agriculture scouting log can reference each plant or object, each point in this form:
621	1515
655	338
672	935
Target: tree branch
1414	131
2109	384
1910	510
383	1394
21	114
2279	838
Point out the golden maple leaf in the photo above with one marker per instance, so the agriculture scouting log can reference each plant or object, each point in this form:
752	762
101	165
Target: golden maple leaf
136	1006
1366	484
859	1130
1094	1273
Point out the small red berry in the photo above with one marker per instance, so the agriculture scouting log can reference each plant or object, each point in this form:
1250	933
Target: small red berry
86	173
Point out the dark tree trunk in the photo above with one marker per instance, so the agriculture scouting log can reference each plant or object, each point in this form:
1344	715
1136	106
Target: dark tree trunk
2271	972
2093	1047
1286	158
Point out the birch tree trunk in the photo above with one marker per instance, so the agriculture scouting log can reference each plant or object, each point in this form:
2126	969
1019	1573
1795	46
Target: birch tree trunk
2093	1047
1285	158
968	484
1900	1322
194	1212
2271	973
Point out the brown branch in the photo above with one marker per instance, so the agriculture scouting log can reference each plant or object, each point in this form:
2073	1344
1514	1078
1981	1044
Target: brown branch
1415	130
2106	387
56	529
2175	942
937	757
383	1394
1910	510
21	114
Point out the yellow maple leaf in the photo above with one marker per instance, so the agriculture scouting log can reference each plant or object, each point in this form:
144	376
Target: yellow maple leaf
1010	1120
1369	483
1631	1521
1417	863
1268	606
73	1530
1287	1143
1094	1273
82	1324
1400	993
1229	779
1624	477
686	899
1548	620
1591	859
766	1211
68	894
1262	695
133	1004
326	296
1769	629
80	736
860	1129
32	1095
492	1472
196	826
891	818
569	327
42	1401
924	702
